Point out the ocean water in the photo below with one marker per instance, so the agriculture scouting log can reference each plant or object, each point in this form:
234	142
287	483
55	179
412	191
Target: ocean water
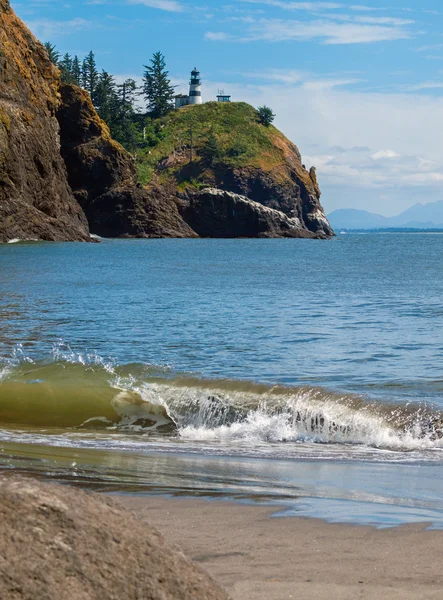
306	374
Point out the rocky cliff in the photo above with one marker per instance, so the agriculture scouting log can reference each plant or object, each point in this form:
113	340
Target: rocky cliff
103	177
223	146
220	214
35	198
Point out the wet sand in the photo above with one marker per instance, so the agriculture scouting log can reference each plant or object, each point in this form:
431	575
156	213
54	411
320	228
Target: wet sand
256	557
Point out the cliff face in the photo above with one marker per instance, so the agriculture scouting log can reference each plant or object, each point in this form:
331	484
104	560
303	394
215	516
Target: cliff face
95	162
220	214
103	177
35	198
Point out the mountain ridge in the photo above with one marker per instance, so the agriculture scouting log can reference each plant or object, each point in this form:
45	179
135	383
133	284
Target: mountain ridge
419	216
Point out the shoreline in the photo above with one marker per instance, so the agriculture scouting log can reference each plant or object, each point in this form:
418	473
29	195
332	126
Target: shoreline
260	557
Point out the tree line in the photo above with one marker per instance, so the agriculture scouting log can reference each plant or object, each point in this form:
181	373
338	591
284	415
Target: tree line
120	105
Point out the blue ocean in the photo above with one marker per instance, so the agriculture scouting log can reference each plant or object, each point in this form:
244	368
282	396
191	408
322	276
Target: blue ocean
304	374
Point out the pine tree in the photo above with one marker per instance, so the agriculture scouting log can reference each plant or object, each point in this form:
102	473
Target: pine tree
211	151
76	71
65	67
125	130
53	53
127	93
83	76
106	100
157	88
90	75
265	115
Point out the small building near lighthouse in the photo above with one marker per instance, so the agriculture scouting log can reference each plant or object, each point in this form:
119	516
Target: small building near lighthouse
222	97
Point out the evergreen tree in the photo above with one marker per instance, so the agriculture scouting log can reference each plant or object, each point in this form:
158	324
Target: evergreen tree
83	75
76	71
127	92
90	75
65	67
125	129
265	115
53	53
211	151
157	88
106	100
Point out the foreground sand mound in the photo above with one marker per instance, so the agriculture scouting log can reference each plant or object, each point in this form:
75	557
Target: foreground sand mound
61	543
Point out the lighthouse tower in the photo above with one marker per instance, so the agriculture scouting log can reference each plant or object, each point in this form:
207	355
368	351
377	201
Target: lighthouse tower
195	91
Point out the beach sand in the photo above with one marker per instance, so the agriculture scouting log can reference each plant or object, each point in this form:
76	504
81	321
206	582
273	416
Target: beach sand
256	557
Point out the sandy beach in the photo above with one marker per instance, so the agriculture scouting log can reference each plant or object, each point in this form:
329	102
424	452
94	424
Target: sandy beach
257	557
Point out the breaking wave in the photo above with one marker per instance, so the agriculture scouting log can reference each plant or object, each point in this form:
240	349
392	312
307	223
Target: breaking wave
84	392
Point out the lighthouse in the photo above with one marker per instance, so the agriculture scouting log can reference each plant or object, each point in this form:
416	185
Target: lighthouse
195	91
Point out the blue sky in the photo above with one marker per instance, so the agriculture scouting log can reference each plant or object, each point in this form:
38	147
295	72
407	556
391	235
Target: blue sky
358	87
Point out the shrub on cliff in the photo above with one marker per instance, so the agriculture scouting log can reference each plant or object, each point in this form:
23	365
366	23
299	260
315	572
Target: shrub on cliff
211	151
265	115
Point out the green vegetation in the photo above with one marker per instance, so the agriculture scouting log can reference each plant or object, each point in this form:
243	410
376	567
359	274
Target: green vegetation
119	104
265	115
195	142
90	77
191	144
54	55
157	89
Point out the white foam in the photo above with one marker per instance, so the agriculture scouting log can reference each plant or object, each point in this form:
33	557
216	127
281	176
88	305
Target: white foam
209	415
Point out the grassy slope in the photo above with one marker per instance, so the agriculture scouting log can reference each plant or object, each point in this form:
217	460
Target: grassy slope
243	141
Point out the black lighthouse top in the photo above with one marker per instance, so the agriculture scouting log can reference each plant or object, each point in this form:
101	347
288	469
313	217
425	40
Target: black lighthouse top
195	77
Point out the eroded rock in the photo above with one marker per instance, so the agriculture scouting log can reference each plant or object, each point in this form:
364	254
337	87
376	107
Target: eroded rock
221	214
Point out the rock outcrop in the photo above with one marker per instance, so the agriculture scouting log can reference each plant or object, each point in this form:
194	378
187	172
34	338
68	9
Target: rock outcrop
94	161
221	214
36	201
59	542
288	188
138	213
103	177
224	146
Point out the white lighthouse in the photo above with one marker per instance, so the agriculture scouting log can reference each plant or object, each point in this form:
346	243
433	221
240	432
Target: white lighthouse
195	91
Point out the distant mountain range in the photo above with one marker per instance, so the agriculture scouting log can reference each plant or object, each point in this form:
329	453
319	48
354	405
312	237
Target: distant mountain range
419	216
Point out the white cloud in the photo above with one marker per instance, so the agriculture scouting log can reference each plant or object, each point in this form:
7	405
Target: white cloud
48	28
327	31
425	85
382	154
168	5
215	36
307	6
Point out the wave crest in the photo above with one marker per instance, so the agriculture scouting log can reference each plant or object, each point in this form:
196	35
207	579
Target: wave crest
86	392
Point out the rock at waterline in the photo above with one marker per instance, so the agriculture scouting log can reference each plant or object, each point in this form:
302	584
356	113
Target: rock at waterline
221	214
